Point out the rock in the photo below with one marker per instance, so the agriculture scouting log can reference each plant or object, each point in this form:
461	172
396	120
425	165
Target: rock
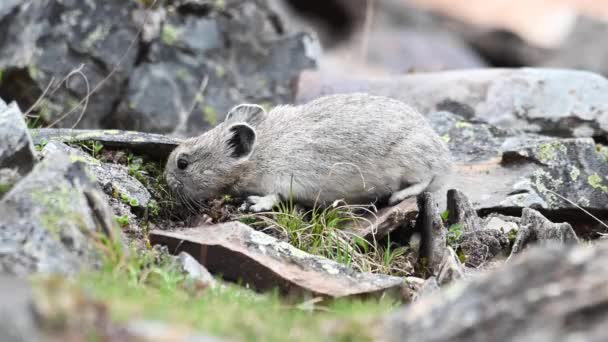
507	224
187	84
239	253
48	219
153	145
547	294
522	170
432	235
428	287
461	212
53	41
16	148
480	247
550	101
450	269
534	227
386	220
8	178
102	73
17	321
567	168
195	270
113	179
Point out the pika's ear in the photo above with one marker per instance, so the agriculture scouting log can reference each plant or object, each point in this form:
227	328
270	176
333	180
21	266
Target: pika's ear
241	140
249	113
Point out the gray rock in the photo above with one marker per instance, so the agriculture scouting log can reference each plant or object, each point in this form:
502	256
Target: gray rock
49	40
8	178
482	246
187	84
535	228
47	220
565	168
17	320
551	101
547	294
195	270
238	252
113	179
16	148
451	269
192	62
433	239
153	145
522	170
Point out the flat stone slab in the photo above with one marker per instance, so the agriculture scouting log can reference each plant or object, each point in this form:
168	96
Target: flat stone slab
239	253
155	145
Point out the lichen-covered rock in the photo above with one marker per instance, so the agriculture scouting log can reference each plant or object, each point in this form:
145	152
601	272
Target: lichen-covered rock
551	101
205	62
16	147
113	179
568	168
191	63
239	253
522	170
52	41
49	219
554	293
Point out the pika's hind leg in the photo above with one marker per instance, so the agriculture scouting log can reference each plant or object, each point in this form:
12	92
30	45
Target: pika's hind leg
411	190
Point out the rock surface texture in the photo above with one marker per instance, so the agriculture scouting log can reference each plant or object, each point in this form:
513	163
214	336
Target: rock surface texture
48	219
547	294
174	68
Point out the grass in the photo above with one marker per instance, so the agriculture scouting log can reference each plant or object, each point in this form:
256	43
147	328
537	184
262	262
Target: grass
148	285
319	231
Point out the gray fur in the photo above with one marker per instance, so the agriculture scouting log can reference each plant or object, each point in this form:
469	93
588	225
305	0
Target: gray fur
355	147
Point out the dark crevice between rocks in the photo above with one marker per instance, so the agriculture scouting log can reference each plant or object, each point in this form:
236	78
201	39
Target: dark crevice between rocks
197	9
332	13
17	85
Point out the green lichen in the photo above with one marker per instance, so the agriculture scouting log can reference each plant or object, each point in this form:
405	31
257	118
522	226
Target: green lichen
170	34
95	36
548	151
220	72
59	210
574	173
33	71
210	115
182	74
603	150
1	75
446	138
85	160
220	5
596	182
5	187
463	124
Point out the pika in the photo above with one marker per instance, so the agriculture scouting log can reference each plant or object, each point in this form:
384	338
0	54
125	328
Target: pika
355	147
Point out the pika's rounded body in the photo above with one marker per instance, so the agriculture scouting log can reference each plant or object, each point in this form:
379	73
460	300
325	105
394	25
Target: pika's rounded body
356	147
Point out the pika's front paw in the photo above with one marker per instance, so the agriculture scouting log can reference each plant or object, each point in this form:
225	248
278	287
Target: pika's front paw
262	203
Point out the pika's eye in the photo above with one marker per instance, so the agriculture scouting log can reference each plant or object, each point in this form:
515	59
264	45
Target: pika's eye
182	164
